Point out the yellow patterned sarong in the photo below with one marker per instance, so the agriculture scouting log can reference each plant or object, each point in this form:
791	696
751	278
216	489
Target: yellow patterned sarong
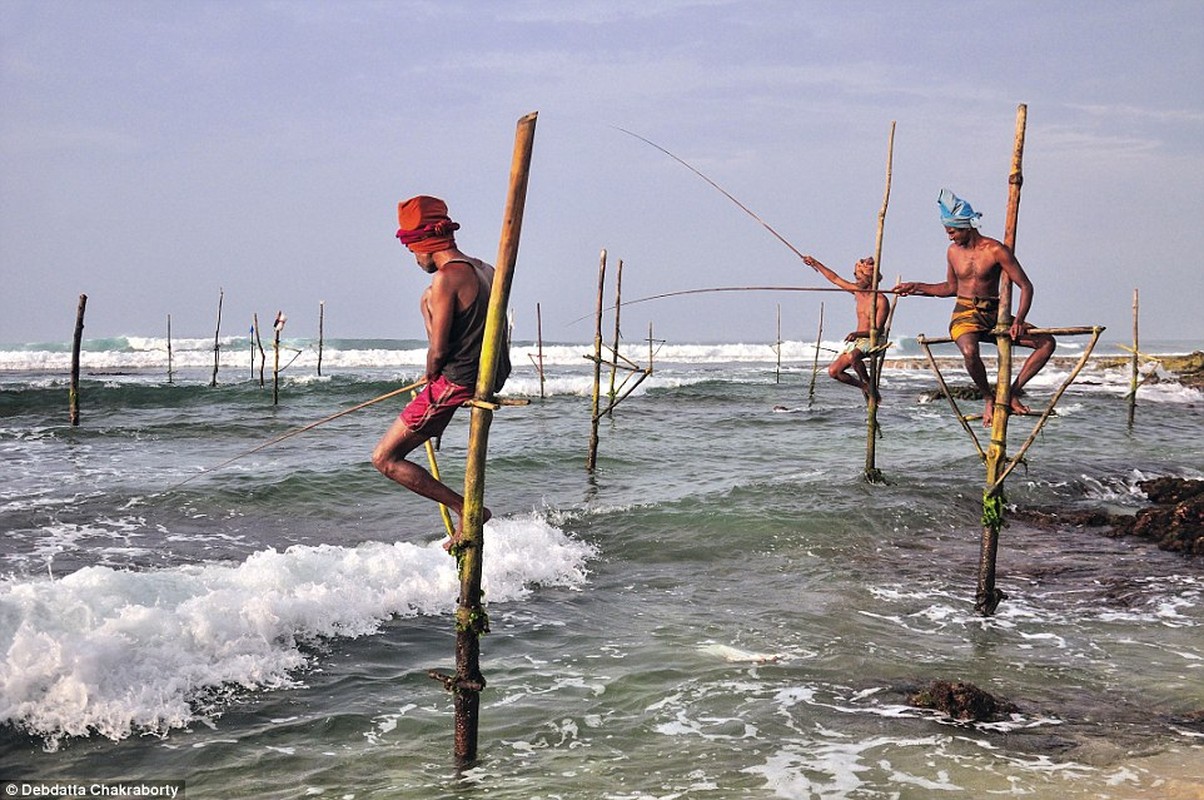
974	315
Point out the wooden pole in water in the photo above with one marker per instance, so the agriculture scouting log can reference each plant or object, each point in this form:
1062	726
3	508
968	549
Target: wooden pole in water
777	346
1133	373
217	344
591	459
819	337
321	332
471	620
77	342
614	366
651	353
987	597
277	327
169	378
263	357
872	474
539	348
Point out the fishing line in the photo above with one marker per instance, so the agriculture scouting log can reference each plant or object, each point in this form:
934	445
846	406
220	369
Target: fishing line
296	431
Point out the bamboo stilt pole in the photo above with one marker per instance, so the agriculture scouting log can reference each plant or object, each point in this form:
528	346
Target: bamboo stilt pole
987	597
650	350
76	344
819	337
591	459
321	332
277	327
777	347
471	620
539	349
217	334
263	357
251	347
169	375
618	335
1133	373
872	474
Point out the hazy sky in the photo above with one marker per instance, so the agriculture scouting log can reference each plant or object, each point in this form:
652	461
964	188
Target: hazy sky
152	153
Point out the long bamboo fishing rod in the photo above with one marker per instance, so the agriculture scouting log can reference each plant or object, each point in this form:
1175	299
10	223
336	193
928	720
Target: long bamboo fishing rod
723	191
296	431
682	292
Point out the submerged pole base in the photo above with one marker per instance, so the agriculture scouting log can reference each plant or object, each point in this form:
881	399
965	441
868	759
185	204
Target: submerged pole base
986	603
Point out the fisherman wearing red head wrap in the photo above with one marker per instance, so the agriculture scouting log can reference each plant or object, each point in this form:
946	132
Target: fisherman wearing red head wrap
453	308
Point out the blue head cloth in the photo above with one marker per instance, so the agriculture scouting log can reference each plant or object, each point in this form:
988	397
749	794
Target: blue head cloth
955	212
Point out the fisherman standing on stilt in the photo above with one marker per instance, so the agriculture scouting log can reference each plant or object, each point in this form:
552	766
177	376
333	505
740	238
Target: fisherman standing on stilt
857	343
453	308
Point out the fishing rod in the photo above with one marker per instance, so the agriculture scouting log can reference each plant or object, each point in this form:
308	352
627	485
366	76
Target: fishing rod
743	289
723	191
296	431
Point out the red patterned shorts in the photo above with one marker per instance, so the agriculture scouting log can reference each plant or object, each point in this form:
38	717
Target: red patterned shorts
433	407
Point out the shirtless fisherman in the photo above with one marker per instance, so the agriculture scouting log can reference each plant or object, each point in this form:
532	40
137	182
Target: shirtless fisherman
453	308
858	341
976	263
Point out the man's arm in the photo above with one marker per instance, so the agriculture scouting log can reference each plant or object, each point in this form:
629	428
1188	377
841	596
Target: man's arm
946	289
439	304
829	274
1016	274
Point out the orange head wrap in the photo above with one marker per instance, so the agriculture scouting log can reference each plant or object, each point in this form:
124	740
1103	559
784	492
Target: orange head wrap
424	226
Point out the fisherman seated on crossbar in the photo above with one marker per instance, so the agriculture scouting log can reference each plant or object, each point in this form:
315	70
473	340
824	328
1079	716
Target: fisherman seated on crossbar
857	343
975	264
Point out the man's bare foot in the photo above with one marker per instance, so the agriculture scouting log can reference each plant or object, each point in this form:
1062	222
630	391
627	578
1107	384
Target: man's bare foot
988	413
1017	407
457	537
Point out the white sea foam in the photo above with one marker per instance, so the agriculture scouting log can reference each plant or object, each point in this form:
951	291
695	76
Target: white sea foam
116	652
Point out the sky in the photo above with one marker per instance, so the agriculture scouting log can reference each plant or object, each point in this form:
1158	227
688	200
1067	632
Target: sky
155	154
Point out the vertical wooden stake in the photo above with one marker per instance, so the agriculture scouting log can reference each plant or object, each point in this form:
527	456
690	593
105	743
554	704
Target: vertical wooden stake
614	366
539	348
259	342
321	332
777	346
77	342
471	620
819	337
169	378
650	351
1133	373
217	334
987	596
251	348
591	460
872	473
277	327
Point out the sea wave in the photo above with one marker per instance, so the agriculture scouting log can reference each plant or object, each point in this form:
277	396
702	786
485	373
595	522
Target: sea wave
116	652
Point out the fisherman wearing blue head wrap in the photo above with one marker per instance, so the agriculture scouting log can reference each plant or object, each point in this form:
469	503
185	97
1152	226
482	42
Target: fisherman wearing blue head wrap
955	212
975	264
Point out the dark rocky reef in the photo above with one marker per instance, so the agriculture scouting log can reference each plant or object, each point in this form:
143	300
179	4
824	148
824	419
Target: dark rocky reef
1174	522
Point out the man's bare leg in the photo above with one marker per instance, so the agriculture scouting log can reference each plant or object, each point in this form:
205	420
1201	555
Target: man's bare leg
867	386
967	343
389	458
837	370
1043	347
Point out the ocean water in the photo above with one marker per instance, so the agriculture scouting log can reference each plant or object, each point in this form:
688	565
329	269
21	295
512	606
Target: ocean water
723	610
